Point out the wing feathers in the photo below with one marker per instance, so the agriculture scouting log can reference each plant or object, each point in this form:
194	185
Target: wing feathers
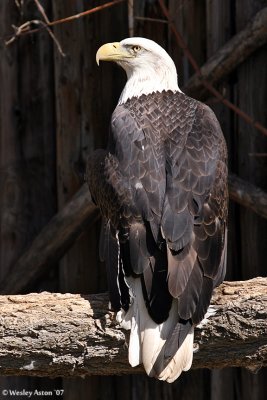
162	189
180	268
182	360
139	253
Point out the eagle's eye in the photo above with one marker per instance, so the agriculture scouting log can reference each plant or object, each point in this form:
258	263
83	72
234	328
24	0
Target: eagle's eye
136	48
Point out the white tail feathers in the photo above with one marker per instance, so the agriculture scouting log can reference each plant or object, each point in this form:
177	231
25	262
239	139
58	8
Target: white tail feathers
182	360
148	338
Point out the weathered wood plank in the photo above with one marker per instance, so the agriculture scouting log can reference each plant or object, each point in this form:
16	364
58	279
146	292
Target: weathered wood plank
27	135
27	159
250	77
74	132
83	109
73	335
190	19
251	92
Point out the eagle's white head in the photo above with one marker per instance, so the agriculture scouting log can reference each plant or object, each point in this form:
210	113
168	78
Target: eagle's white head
148	66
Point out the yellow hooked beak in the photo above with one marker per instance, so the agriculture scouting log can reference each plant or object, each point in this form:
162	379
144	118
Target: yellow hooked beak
112	52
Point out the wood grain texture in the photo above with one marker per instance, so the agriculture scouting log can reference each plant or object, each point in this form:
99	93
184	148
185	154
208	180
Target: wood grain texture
83	107
27	148
189	18
251	95
251	76
27	181
74	335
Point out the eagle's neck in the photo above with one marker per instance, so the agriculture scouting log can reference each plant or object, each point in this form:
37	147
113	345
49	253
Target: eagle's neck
149	79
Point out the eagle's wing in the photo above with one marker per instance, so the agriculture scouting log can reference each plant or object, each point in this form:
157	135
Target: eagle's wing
127	182
195	207
141	159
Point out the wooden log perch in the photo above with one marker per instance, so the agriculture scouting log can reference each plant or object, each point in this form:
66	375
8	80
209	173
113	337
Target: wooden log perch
228	57
74	335
64	228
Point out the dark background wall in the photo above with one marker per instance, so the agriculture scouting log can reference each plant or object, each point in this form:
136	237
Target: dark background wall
54	110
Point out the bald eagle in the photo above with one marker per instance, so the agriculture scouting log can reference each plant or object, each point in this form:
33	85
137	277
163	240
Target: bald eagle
161	187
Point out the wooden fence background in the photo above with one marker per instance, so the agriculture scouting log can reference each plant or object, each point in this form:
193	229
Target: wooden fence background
54	110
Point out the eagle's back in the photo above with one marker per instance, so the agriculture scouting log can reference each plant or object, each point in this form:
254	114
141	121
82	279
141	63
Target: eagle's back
162	188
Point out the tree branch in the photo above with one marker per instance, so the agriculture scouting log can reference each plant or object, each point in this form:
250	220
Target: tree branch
73	335
25	28
228	57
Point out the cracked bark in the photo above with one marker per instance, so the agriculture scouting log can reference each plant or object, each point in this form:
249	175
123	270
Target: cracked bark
76	335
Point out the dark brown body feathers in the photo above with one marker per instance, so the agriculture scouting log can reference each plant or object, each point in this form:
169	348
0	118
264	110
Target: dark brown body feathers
162	188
